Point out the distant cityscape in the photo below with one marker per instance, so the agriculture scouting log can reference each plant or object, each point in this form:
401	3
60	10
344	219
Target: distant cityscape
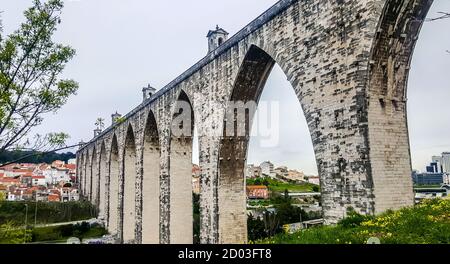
43	182
437	173
265	169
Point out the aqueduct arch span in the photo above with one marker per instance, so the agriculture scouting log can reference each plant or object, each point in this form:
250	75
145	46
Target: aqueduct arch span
348	62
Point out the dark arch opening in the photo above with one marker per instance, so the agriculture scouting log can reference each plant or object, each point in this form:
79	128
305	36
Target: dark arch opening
249	85
129	188
113	208
151	183
180	167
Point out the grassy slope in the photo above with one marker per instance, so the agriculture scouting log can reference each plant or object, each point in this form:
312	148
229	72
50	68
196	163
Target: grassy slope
427	223
279	186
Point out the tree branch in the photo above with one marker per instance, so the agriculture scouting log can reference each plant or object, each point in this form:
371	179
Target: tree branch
444	15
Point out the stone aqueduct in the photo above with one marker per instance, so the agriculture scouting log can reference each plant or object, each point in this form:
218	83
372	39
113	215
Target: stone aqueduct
348	62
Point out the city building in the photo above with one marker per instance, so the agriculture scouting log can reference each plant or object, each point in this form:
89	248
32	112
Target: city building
431	193
296	175
196	174
252	171
428	178
57	173
196	185
446	162
438	161
38	181
314	180
196	171
257	192
69	194
282	172
267	169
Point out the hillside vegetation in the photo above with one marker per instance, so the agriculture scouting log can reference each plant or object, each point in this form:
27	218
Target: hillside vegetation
279	186
426	223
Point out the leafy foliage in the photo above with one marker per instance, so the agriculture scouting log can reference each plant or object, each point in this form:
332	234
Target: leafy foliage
353	219
30	66
196	217
10	233
271	224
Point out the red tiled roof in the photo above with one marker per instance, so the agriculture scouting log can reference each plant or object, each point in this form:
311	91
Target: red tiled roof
255	187
54	191
71	166
9	180
20	170
38	177
53	198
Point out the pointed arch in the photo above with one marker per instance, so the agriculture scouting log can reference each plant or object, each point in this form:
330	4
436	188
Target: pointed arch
250	81
129	188
88	168
86	175
80	171
113	207
180	169
240	113
151	182
94	177
102	187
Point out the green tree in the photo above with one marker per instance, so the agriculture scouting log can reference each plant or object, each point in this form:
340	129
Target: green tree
256	228
13	234
30	86
196	217
2	196
257	181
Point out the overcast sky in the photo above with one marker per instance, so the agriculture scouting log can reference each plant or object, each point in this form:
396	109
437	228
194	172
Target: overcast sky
123	45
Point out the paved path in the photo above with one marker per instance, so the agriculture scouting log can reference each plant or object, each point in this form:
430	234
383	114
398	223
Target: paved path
69	223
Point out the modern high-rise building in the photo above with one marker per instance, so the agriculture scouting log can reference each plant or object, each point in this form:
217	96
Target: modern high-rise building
438	160
446	162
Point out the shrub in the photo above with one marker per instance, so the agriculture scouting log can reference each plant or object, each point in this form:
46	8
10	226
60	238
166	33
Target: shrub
353	219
